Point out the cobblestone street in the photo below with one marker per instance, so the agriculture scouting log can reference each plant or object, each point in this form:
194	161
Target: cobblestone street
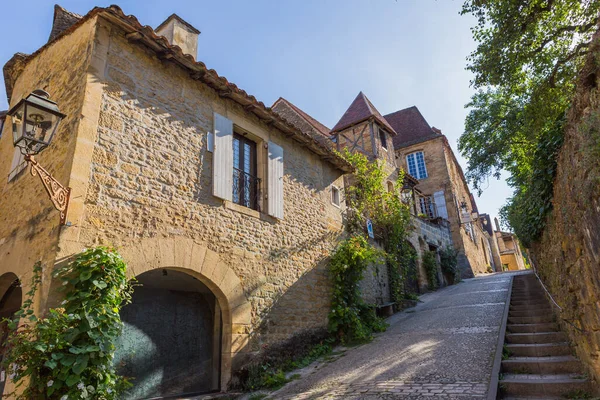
442	348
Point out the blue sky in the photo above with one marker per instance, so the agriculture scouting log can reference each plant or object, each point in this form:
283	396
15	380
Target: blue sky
316	53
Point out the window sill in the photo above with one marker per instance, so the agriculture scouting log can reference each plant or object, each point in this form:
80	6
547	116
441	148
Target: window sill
248	211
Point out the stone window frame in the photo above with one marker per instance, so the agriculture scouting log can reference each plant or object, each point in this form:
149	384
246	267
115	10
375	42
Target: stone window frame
261	165
334	190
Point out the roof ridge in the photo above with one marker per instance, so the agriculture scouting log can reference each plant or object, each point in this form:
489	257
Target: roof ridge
315	123
207	76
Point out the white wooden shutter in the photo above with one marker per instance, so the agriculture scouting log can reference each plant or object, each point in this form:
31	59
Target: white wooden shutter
440	203
223	158
275	179
17	165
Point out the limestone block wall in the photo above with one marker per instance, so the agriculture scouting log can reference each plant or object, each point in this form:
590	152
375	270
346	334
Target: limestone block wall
567	256
151	175
29	224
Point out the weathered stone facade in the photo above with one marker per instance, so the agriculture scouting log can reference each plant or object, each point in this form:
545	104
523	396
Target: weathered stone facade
134	150
567	256
444	174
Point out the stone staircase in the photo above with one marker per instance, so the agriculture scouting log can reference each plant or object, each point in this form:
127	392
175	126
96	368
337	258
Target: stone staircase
538	362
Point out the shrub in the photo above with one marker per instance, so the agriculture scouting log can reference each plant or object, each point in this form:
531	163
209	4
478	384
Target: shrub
68	352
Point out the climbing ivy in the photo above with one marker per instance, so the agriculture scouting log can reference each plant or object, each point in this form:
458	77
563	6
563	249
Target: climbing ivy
68	352
431	265
449	262
531	202
367	196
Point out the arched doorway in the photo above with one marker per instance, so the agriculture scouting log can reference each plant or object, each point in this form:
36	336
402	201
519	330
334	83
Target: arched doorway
171	340
10	303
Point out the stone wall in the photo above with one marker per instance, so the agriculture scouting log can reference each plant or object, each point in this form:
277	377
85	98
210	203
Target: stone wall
473	258
444	174
29	224
567	256
151	177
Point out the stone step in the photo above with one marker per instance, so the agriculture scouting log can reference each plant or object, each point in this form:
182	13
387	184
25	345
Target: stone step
536	338
543	385
534	398
542	307
527	296
544	319
529	303
527	313
539	350
532	328
542	365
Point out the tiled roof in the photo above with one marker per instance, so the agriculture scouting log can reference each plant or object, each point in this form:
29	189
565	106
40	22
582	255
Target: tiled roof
360	110
63	20
146	36
411	127
319	127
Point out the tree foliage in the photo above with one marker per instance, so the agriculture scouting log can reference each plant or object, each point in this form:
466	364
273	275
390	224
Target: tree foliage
524	67
68	352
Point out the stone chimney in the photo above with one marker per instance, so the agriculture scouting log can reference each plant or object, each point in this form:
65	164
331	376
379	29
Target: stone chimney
180	33
497	224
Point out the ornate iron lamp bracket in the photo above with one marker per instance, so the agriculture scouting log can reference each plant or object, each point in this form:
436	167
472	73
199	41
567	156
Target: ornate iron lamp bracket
58	193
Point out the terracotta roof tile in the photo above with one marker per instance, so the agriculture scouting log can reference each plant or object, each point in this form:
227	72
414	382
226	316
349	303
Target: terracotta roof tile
411	127
62	21
319	127
360	110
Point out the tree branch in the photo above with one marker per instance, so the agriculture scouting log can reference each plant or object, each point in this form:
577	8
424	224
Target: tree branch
563	29
576	52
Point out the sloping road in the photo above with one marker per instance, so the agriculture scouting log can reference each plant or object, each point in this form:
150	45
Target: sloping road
443	348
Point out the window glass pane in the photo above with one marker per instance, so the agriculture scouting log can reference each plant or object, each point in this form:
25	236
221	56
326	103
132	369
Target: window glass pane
412	168
421	165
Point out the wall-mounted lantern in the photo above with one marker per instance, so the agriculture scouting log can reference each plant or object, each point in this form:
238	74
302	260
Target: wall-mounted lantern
34	122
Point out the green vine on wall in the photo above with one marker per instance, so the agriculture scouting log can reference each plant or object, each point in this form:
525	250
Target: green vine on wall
430	264
68	352
449	262
367	196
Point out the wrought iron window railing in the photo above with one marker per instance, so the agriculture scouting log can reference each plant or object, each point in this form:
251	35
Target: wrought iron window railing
246	189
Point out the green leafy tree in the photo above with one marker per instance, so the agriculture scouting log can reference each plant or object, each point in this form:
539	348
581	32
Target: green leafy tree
68	352
524	67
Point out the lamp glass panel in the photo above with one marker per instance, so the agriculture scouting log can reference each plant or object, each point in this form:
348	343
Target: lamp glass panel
39	127
17	123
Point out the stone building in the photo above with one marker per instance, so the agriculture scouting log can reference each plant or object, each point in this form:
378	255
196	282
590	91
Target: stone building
210	197
511	257
425	153
363	129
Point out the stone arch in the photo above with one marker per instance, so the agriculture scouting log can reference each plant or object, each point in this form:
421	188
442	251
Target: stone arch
197	260
11	299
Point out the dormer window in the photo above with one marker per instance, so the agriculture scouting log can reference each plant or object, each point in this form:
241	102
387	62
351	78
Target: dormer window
383	138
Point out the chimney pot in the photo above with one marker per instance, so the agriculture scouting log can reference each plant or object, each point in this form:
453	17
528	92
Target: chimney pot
180	33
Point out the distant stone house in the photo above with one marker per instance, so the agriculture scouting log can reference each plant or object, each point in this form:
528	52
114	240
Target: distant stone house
425	153
363	129
510	250
222	209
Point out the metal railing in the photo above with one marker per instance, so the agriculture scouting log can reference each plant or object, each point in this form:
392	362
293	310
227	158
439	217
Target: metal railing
246	189
560	309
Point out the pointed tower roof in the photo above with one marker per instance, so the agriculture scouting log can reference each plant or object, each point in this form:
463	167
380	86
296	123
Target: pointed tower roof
360	110
411	127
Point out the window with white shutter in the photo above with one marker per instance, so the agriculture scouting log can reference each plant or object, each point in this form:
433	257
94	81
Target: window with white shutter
275	180
440	203
223	158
